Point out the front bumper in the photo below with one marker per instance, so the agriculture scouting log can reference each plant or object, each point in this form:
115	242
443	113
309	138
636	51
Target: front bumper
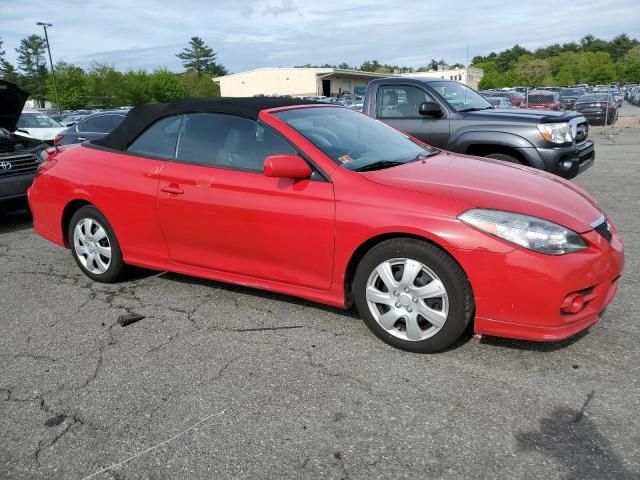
14	188
519	294
579	158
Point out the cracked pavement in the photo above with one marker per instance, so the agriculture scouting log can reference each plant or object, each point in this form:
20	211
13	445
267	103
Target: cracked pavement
306	390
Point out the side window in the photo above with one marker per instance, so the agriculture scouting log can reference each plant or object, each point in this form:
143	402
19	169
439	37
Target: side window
401	101
99	124
159	140
227	141
115	121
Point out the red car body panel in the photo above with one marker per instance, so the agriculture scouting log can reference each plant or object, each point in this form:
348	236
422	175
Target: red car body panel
298	237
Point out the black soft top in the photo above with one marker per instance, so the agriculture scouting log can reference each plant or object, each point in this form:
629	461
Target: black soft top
140	118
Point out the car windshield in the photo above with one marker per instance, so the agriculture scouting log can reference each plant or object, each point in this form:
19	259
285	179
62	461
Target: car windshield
352	139
460	97
37	120
571	92
599	97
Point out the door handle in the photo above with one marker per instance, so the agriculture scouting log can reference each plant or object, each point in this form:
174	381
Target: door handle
81	139
172	188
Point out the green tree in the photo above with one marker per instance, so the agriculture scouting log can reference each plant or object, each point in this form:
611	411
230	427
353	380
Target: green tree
164	86
195	86
199	57
32	64
136	88
344	66
8	72
106	86
630	65
533	71
620	45
73	86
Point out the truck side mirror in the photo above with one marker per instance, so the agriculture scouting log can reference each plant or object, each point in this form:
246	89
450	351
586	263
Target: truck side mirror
430	109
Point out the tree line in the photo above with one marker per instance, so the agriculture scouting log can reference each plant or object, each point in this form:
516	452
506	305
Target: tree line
377	67
102	86
591	60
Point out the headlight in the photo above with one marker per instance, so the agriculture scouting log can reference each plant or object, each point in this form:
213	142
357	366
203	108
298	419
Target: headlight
528	232
43	155
556	132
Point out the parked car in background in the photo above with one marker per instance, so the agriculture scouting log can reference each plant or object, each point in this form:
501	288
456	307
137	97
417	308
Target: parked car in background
91	127
515	98
543	100
568	97
20	156
598	108
325	203
37	125
499	102
70	120
450	115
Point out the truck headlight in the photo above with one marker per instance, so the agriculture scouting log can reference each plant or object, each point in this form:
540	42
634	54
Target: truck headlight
556	132
528	232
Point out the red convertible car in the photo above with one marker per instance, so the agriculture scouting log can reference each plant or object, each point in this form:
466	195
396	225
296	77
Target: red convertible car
325	203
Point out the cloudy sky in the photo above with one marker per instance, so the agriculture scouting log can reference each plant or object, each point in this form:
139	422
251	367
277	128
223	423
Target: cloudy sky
132	34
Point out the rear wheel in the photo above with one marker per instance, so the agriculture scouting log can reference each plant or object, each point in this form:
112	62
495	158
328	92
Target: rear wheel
504	157
94	245
412	295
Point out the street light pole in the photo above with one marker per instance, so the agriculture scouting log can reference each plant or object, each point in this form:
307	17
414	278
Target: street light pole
53	72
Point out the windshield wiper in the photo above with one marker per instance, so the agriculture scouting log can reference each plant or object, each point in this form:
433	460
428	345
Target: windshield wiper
378	165
475	109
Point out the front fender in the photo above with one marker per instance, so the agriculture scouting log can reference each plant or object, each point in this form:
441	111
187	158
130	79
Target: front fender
512	141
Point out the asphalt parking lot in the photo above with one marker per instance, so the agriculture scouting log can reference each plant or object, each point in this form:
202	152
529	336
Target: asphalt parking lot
224	382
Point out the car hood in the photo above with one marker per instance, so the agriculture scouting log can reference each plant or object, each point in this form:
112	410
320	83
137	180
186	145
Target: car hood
523	115
12	100
486	183
44	134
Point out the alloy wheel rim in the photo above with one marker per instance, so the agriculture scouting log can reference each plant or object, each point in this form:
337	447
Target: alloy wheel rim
92	246
407	299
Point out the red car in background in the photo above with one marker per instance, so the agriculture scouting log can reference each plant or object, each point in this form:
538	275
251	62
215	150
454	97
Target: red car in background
328	204
542	100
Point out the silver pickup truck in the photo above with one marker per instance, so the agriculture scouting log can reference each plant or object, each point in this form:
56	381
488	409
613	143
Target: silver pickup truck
451	116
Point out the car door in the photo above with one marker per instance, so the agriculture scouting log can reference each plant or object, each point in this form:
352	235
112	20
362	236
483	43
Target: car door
219	211
398	106
93	128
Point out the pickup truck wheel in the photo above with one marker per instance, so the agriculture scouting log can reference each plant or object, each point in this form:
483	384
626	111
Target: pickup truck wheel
94	245
504	157
413	295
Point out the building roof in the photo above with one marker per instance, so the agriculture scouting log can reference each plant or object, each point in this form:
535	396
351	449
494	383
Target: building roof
317	70
141	117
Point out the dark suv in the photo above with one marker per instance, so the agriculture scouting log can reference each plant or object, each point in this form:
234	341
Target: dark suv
20	156
449	115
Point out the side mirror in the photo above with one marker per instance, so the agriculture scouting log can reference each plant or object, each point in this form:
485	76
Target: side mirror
430	109
286	166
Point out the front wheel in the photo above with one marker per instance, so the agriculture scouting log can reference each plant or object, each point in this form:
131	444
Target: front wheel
94	245
413	295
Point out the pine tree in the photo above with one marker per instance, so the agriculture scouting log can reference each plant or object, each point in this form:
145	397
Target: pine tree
199	57
32	63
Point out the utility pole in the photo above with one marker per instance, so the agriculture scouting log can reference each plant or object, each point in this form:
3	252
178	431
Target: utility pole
53	73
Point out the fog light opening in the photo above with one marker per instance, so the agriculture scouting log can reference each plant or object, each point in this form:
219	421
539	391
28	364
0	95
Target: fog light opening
573	303
566	164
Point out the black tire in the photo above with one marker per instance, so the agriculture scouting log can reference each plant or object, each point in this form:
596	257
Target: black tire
116	267
504	157
459	293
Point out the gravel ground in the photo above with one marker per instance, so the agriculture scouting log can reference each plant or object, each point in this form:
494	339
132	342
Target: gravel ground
224	382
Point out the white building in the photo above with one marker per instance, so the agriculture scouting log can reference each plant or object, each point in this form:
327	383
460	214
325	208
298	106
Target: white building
469	76
310	82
